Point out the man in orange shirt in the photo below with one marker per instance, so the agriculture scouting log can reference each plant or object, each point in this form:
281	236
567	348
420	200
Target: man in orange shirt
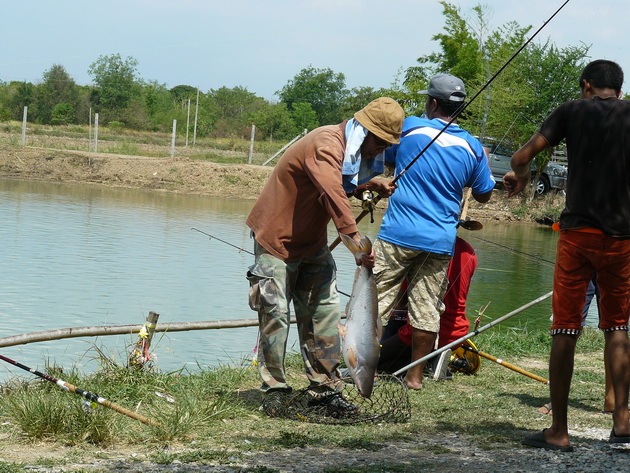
309	187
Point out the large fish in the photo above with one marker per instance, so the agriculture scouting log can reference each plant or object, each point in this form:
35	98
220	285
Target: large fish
361	333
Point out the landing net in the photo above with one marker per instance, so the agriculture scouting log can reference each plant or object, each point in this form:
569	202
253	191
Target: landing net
389	403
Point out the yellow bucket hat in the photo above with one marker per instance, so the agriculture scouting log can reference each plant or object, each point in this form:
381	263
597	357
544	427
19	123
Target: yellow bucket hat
383	117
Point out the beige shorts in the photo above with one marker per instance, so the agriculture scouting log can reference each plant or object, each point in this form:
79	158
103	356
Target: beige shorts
426	275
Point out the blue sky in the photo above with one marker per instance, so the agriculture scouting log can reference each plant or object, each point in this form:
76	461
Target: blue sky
261	45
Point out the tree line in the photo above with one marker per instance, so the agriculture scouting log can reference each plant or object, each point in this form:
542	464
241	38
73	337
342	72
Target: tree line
510	109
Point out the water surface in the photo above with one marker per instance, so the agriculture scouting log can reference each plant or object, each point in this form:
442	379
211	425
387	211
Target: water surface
84	255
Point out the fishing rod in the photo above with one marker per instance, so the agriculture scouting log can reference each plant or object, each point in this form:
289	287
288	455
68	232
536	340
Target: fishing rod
477	331
505	364
84	394
465	105
244	250
458	112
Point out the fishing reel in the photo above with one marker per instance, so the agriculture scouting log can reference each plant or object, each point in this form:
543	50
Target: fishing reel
465	361
368	203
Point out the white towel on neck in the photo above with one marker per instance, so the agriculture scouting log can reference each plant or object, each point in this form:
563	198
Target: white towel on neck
355	170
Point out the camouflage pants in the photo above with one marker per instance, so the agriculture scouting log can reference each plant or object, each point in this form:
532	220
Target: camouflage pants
311	285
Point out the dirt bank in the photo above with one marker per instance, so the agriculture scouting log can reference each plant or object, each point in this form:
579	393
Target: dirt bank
178	175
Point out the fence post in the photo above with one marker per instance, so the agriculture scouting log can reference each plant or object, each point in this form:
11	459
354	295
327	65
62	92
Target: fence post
196	114
173	138
187	122
251	144
24	124
96	132
90	130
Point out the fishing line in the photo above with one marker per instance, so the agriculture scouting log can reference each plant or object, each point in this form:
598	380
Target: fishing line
223	241
514	250
245	251
463	107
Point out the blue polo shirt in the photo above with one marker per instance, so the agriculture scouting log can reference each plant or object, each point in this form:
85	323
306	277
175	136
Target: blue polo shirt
423	212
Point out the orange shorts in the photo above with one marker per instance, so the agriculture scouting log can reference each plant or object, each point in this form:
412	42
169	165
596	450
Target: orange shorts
580	255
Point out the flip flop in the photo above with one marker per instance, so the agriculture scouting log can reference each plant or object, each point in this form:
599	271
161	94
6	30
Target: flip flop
615	441
545	409
537	440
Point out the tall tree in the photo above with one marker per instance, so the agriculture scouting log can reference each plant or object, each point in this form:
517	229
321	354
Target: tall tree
359	97
273	121
234	109
57	90
322	88
115	80
14	97
538	79
182	93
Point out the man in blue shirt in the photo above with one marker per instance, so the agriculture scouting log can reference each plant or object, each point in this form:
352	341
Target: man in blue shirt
418	232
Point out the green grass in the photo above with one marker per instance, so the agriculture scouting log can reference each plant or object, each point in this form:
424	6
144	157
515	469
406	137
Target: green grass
216	418
118	140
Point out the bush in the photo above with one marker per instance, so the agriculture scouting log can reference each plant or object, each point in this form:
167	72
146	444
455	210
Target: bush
116	125
62	114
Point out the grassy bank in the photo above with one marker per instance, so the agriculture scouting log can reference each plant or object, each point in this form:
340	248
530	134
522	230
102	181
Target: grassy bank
116	140
212	167
215	416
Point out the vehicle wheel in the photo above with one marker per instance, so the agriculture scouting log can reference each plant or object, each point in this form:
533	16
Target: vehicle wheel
542	186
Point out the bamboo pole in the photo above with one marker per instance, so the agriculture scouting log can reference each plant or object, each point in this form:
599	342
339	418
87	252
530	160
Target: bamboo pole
106	330
466	202
140	356
285	147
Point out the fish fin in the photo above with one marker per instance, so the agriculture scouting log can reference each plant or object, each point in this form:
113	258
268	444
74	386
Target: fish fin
352	360
342	329
357	248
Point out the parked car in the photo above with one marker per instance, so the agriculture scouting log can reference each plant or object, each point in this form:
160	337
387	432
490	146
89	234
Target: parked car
553	177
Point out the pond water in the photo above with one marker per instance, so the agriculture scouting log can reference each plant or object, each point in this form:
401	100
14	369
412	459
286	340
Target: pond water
77	255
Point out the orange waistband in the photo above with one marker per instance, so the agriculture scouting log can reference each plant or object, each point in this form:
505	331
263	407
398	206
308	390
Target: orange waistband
588	230
597	231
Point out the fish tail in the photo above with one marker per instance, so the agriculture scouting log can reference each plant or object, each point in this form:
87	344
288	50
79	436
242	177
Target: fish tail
357	248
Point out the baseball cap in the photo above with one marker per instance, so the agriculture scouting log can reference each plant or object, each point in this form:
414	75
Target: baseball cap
383	117
446	87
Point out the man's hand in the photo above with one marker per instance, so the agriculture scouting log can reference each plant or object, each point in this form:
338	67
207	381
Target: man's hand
385	187
514	184
367	260
364	259
517	179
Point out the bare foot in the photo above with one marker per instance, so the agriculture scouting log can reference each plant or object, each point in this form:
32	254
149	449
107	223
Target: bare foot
557	439
413	384
610	410
545	409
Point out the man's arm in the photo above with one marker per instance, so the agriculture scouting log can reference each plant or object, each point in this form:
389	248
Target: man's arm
517	179
384	187
482	198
